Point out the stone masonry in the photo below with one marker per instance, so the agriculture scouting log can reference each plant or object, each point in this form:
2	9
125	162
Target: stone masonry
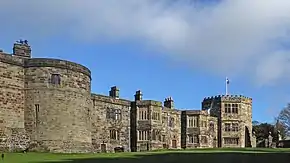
47	105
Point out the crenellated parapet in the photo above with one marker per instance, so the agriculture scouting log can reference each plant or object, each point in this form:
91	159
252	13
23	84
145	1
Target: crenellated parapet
228	98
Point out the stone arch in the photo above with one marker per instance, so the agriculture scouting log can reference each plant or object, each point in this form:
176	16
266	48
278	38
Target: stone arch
248	143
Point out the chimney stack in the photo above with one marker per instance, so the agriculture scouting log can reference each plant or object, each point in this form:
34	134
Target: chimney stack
114	92
169	103
138	96
22	49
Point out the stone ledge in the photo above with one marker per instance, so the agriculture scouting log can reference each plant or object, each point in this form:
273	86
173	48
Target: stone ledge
9	59
57	63
108	99
43	62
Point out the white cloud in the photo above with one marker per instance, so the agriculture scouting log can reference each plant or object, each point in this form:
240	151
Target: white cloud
233	37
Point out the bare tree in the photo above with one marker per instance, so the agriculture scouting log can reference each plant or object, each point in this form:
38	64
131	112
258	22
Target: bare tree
283	121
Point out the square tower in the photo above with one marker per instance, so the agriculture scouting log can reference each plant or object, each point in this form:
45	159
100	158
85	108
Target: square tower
234	115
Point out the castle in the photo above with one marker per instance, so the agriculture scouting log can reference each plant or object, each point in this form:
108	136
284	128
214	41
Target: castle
47	105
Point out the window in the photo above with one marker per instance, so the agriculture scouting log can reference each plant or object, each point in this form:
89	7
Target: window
114	134
163	138
114	114
36	108
143	115
211	126
143	135
235	127
117	114
227	127
155	134
171	122
156	116
164	119
227	108
193	139
203	139
193	121
55	79
190	139
36	114
235	108
203	124
232	141
190	122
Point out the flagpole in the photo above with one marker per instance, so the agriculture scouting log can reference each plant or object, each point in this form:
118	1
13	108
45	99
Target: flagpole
227	85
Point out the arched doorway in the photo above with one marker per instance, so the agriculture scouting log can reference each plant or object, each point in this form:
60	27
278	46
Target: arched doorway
248	143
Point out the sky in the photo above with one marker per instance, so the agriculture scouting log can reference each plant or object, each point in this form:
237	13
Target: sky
179	48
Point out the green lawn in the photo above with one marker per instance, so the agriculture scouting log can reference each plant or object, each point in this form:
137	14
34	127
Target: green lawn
197	155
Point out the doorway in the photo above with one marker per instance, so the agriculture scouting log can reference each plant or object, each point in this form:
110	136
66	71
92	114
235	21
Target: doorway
103	148
174	144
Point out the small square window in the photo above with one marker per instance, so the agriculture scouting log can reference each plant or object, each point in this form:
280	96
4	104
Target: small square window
55	79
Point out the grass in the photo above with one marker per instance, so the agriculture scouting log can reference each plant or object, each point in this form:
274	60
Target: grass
250	155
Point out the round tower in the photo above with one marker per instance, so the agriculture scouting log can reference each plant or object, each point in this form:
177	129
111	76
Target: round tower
58	101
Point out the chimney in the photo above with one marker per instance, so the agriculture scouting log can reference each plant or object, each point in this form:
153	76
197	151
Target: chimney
138	96
114	92
169	103
22	49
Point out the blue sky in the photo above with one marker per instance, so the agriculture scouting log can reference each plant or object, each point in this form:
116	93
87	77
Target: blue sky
183	51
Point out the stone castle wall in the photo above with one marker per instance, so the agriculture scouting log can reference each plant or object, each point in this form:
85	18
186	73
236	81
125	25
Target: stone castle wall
12	101
110	118
47	105
54	116
57	115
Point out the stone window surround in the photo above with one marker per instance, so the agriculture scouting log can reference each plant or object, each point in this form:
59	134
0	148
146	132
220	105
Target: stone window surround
231	127
193	139
231	140
114	134
55	79
193	121
155	115
231	108
114	114
171	122
143	114
143	135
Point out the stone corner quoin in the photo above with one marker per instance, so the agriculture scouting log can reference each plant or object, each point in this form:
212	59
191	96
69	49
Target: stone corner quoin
47	105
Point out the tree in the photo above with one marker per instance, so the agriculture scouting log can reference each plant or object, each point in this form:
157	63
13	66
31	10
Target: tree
262	131
283	121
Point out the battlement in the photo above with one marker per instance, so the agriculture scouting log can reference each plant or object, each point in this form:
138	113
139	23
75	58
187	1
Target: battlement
228	98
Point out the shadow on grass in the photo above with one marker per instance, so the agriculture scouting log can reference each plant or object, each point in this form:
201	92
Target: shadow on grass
189	157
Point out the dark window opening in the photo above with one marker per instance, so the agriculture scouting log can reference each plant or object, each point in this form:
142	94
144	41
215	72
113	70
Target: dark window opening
55	79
